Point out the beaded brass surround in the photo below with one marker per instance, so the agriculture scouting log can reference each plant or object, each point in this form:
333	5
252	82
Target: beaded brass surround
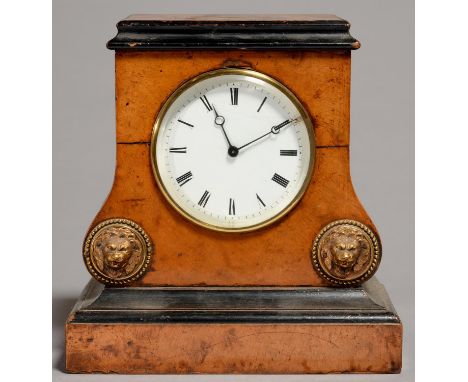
117	251
346	252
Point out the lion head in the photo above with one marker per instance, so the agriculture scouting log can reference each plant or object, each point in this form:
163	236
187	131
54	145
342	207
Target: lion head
345	252
117	251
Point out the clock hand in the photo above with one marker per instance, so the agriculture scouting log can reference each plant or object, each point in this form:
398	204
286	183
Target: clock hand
274	130
219	120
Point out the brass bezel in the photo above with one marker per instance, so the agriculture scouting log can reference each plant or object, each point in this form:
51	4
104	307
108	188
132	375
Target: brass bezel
245	72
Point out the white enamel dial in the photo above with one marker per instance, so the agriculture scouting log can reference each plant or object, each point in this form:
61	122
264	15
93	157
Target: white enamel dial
233	150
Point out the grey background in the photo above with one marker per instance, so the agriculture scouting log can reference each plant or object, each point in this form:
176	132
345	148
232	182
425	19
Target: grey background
382	143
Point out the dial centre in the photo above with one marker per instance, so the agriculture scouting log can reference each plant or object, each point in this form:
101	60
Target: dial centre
233	151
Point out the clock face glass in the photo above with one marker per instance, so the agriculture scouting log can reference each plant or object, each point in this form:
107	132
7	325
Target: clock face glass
233	150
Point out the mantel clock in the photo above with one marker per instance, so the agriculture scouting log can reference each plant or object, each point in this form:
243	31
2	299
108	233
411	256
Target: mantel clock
232	240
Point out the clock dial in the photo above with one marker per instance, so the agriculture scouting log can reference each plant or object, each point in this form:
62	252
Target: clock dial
233	150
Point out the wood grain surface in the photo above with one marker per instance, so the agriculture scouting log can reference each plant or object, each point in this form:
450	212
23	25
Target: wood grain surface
321	81
233	348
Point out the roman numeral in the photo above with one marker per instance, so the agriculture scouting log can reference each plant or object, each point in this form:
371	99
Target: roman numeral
232	207
206	103
204	199
261	104
260	200
180	150
280	180
185	123
288	153
187	177
234	96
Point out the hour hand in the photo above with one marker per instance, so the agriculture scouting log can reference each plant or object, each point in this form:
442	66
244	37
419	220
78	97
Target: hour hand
219	120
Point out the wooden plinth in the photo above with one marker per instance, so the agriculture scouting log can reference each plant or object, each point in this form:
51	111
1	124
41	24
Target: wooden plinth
233	330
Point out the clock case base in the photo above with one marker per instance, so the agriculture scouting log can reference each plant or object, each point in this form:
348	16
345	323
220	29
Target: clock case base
246	330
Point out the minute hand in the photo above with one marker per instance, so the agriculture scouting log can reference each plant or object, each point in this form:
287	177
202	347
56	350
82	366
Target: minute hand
274	130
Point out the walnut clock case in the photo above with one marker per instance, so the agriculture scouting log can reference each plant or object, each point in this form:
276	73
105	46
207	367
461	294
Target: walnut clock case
232	240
